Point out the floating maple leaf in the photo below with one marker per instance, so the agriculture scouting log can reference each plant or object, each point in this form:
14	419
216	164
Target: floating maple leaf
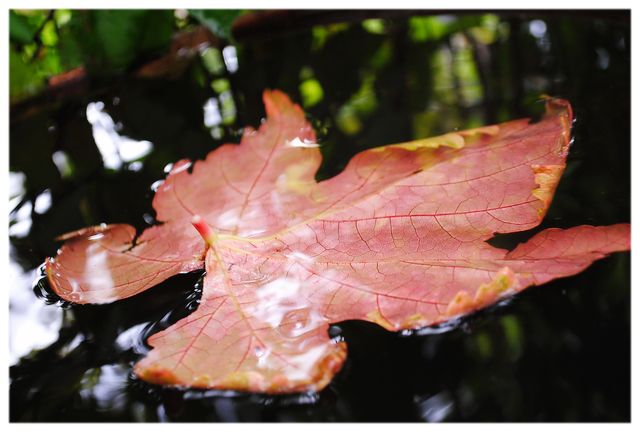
398	238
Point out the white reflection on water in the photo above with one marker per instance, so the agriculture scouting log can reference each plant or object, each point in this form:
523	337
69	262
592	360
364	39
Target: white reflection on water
130	338
20	221
435	408
603	58
114	148
61	161
69	347
211	110
537	28
43	202
33	324
16	184
230	58
225	409
107	386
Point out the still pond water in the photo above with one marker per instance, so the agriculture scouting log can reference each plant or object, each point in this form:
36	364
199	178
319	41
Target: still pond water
560	352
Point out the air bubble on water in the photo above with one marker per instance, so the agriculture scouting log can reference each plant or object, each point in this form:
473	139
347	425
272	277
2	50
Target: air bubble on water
296	322
259	351
156	185
335	332
135	166
167	168
306	398
148	218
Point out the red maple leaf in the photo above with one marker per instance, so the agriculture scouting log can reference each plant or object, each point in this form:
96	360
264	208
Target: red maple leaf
398	238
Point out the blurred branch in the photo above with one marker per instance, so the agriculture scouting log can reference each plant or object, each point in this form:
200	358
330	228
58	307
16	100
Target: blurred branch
37	39
273	22
457	85
259	24
77	82
482	58
516	66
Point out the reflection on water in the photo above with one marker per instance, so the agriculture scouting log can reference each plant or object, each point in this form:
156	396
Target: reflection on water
212	116
104	385
42	202
114	148
537	28
558	353
435	408
230	58
33	325
20	217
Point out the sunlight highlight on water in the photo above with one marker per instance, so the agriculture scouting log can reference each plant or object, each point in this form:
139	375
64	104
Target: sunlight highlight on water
115	149
33	325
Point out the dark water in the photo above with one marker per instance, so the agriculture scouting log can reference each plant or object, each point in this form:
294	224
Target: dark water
560	352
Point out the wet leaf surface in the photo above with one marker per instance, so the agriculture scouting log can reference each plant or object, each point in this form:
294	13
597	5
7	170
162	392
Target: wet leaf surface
398	238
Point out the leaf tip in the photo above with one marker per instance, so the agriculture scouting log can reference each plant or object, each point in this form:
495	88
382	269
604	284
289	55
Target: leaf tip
558	106
562	109
278	104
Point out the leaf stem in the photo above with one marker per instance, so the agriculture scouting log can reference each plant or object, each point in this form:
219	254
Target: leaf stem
205	230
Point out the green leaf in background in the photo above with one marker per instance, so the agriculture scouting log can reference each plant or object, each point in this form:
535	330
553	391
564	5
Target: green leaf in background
20	29
218	21
23	79
41	46
111	40
433	28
